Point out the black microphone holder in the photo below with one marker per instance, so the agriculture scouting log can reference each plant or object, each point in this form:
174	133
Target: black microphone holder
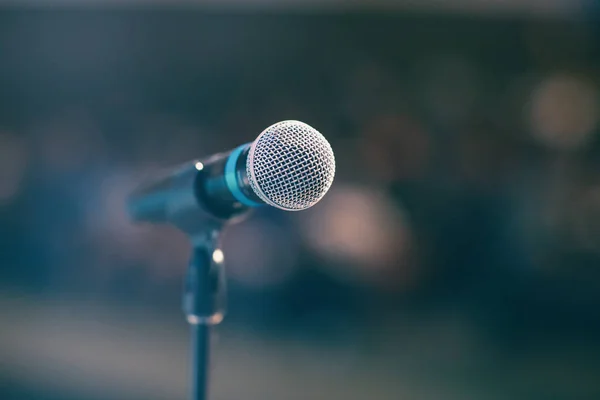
204	285
292	160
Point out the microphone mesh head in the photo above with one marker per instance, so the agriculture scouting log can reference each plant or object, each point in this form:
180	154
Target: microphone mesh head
290	166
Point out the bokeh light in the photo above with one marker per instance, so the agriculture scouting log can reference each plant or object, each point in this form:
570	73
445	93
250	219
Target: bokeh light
564	111
361	229
14	157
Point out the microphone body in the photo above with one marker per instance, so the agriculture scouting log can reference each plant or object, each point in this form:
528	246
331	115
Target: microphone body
198	192
289	166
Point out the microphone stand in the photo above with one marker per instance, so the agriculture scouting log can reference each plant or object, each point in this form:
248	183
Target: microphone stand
203	305
177	199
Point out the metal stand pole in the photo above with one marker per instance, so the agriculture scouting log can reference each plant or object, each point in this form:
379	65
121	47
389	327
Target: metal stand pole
203	305
200	361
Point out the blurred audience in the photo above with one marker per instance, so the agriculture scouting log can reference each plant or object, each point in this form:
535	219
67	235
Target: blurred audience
460	174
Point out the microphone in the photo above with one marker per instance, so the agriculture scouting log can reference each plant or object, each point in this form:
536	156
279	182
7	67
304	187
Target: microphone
289	166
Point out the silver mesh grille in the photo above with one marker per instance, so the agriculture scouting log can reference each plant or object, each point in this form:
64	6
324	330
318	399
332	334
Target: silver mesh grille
290	166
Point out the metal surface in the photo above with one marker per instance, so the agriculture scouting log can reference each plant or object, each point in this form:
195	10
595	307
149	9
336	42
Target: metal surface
290	166
203	305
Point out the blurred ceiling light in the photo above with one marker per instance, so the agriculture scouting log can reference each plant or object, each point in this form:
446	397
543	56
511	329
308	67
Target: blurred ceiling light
13	162
260	252
358	226
564	111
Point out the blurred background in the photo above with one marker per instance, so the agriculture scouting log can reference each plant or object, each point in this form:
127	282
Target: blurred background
457	255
